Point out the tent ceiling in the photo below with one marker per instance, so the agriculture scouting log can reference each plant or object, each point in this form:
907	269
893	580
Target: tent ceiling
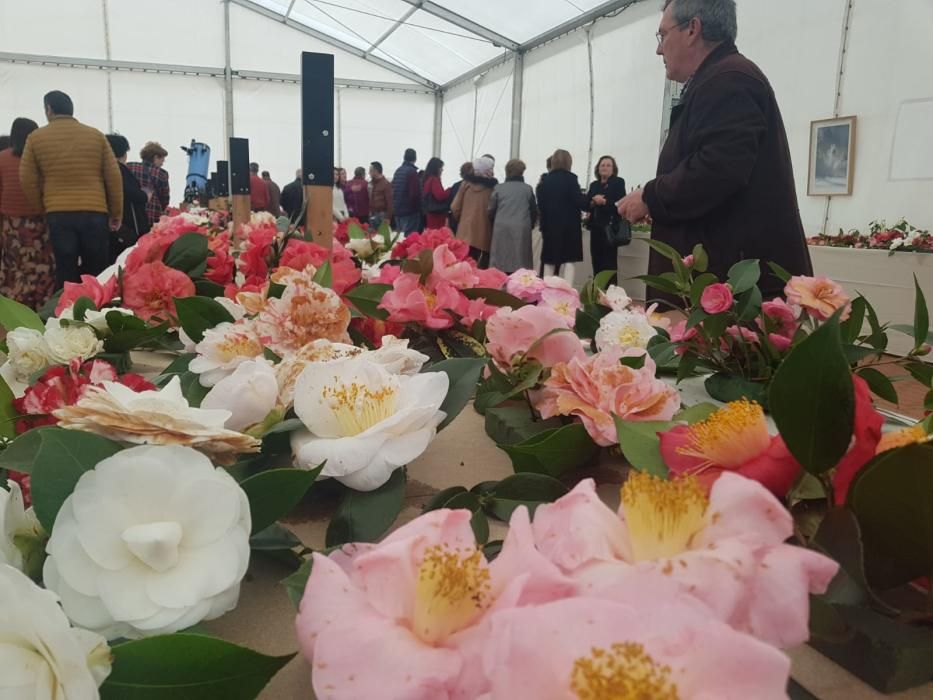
437	40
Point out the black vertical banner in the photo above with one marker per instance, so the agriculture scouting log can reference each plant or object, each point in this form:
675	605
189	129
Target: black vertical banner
239	165
317	118
223	179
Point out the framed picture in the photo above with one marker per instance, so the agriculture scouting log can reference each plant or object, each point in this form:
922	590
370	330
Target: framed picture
832	157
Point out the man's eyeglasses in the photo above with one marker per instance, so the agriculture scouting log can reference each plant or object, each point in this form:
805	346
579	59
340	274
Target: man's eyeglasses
661	36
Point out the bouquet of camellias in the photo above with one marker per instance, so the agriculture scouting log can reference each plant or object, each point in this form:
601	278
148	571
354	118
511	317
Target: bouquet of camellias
369	247
902	236
741	341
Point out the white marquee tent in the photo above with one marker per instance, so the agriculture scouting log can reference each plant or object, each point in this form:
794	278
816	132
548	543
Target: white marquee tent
459	78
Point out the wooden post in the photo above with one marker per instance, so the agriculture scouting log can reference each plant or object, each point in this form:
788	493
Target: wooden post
317	144
239	182
221	201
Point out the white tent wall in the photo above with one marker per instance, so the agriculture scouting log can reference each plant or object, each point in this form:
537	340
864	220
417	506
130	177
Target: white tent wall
72	28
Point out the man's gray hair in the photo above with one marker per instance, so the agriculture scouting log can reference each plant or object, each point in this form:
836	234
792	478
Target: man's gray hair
717	17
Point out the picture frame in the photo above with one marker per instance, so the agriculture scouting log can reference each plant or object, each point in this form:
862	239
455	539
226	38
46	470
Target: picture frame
831	169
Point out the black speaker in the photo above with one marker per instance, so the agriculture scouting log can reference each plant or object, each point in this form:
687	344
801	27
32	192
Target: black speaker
210	190
223	179
317	118
239	166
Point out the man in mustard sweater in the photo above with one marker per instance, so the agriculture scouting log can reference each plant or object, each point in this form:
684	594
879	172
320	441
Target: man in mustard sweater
69	170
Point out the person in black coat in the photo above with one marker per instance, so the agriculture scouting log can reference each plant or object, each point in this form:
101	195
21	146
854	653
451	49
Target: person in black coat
560	201
607	189
135	222
292	197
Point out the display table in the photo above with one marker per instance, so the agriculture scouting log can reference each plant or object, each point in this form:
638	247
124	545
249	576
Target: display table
461	455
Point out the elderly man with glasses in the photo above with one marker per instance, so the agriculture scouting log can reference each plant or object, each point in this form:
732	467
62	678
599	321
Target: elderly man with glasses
724	176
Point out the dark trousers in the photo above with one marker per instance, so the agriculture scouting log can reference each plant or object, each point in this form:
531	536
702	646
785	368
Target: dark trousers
78	236
481	257
605	256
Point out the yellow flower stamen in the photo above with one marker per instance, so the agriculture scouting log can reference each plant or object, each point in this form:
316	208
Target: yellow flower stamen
628	336
662	516
730	437
358	407
238	345
624	672
901	438
453	588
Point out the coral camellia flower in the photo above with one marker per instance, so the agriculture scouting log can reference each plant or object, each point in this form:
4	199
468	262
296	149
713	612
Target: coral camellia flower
303	314
90	287
645	647
161	417
517	335
414	607
726	549
151	290
716	298
41	655
134	551
596	388
820	296
364	421
733	439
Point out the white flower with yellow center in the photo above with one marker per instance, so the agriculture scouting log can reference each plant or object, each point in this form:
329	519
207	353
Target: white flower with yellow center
223	348
625	329
615	297
364	421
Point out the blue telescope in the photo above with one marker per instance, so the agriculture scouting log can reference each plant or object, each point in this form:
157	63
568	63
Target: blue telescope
199	162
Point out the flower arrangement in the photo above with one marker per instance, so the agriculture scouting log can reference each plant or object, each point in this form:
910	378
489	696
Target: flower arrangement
902	236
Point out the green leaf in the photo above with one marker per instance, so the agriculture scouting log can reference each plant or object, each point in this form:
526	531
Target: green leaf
296	583
274	538
20	455
699	284
748	305
659	283
81	307
922	372
286	426
365	516
188	667
8	414
494	297
553	452
507	425
729	387
367	297
921	316
602	280
129	332
779	272
325	275
471	502
355	232
276	290
521	380
14	315
696	413
529	490
700	258
908	329
271	356
891	500
744	275
206	288
198	314
440	499
63	456
878	383
664	354
812	399
636	362
852	327
878	338
586	324
272	494
188	254
192	389
663	249
641	445
464	374
177	368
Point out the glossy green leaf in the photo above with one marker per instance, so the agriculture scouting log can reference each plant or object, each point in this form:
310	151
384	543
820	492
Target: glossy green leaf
641	445
663	249
8	414
696	413
700	258
177	368
729	387
528	490
367	297
273	538
744	275
748	305
198	314
635	362
464	374
81	307
908	329
296	583
495	297
365	516
478	522
812	399
699	284
659	283
553	452
188	667
507	425
20	455
189	254
14	315
272	494
879	384
921	316
63	456
779	272
325	275
878	338
355	232
206	288
440	499
851	328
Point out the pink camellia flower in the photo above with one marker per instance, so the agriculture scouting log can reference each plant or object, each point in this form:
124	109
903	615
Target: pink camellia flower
733	439
409	301
388	274
596	388
416	608
412	245
727	549
516	335
526	285
447	268
565	301
150	292
220	266
716	298
652	643
478	310
739	337
100	294
689	261
781	343
783	314
491	278
821	297
680	334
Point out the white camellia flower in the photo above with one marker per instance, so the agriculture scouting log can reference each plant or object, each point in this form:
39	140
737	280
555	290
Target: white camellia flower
66	343
250	393
151	541
16	522
625	329
235	310
396	357
361	247
28	352
364	421
41	656
223	348
615	298
96	319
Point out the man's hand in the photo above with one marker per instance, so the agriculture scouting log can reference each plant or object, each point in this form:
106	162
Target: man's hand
599	200
632	207
115	224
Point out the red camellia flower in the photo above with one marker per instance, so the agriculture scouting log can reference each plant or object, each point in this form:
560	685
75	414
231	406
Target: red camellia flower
150	291
374	330
735	438
866	433
412	245
220	265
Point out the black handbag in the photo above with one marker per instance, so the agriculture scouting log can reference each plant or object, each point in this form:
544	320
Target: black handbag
618	232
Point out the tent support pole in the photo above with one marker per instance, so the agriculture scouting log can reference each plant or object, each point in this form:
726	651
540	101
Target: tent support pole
228	78
518	80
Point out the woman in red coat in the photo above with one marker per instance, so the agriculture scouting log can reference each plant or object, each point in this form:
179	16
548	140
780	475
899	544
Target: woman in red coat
436	200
